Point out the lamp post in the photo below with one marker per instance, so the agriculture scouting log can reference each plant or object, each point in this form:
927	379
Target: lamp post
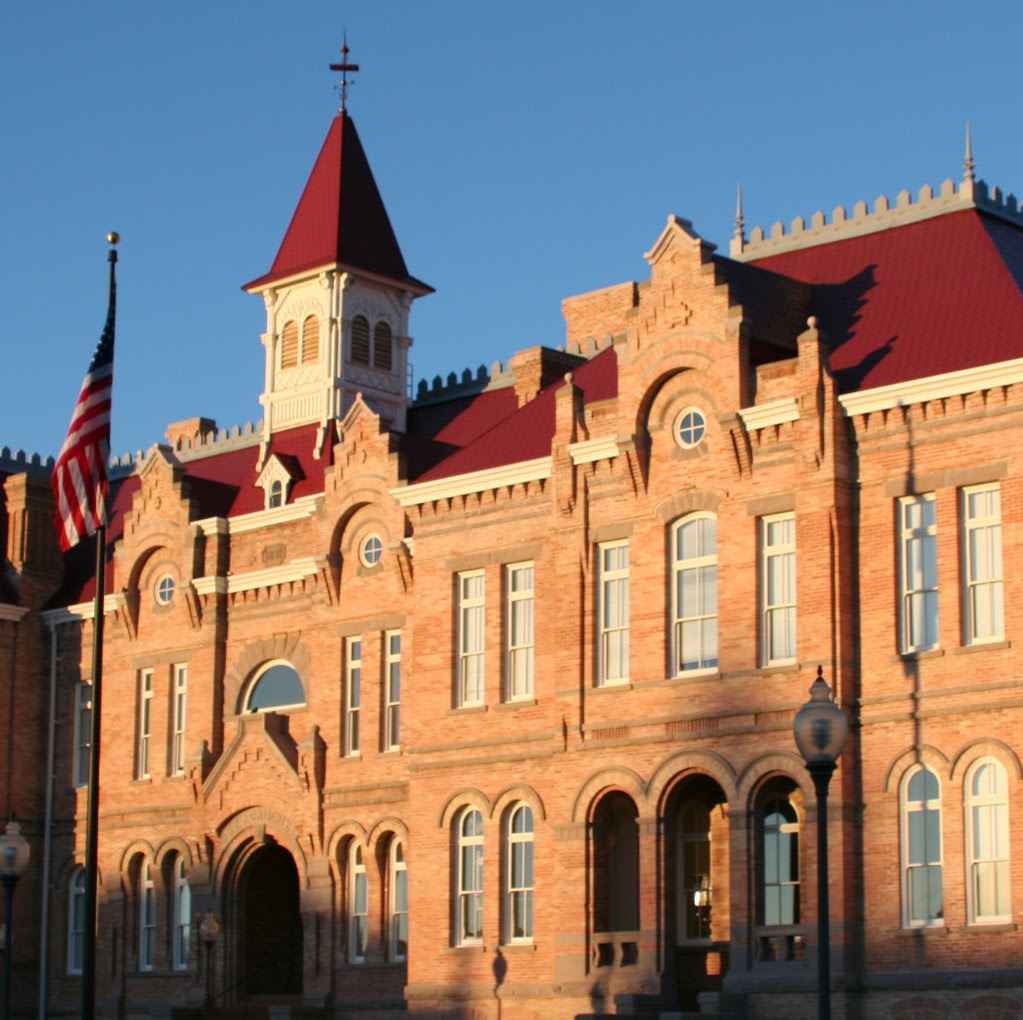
14	854
209	929
820	729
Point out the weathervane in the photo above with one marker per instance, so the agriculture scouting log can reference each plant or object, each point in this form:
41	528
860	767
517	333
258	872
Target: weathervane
344	67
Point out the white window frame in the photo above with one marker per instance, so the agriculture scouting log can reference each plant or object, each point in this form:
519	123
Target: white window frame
700	625
778	631
392	690
145	724
179	718
353	696
83	733
181	916
919	620
983	589
520	618
988	842
472	637
358	904
76	921
613	613
397	928
147	917
520	875
469	901
934	856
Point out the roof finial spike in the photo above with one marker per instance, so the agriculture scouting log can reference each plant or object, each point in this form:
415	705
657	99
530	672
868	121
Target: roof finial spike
740	223
344	67
968	164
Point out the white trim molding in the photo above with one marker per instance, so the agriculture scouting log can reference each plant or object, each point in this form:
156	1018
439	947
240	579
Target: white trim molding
12	613
603	448
934	387
301	510
475	481
775	412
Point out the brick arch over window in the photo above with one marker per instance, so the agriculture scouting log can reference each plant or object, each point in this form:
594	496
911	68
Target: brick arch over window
962	760
770	766
622	779
384	831
174	845
684	503
129	855
518	793
338	842
287	647
924	755
686	764
467	797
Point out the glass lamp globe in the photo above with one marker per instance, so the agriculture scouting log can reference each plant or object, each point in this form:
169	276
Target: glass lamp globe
14	851
820	726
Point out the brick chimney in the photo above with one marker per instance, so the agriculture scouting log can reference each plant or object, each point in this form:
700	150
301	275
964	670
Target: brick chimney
191	430
537	367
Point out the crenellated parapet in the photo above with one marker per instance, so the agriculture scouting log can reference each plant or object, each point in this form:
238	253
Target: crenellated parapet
207	445
950	197
19	462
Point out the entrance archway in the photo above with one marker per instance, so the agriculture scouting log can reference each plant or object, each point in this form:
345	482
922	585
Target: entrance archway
270	924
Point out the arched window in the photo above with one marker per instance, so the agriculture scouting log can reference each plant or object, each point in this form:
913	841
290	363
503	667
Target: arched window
275	498
616	864
310	340
779	839
289	345
397	941
147	917
76	921
519	894
695	595
988	885
469	923
358	899
922	880
360	340
181	914
277	686
382	343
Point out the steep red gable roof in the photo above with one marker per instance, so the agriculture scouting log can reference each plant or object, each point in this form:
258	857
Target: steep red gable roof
527	434
939	295
340	217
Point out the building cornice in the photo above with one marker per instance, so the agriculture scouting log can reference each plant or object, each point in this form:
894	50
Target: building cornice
474	481
602	448
934	387
301	510
13	614
775	412
82	610
286	573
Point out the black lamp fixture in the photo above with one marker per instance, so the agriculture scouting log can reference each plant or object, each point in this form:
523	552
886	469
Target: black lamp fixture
821	729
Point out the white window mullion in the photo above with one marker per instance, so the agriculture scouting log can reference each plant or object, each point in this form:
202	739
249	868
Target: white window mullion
179	715
353	695
613	665
778	589
392	706
471	637
984	599
918	572
144	724
519	629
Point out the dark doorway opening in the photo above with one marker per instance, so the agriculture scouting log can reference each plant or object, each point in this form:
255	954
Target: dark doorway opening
272	924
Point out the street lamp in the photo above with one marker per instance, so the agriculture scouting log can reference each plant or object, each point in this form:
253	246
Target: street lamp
821	729
14	854
209	929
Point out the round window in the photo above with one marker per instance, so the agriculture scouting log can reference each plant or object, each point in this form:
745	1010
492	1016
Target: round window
690	428
164	590
371	550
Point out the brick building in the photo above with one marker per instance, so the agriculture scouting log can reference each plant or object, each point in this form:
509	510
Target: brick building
478	703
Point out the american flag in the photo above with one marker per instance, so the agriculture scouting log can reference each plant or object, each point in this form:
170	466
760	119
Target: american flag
80	474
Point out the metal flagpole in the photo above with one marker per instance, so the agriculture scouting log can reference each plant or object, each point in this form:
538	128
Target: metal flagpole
92	822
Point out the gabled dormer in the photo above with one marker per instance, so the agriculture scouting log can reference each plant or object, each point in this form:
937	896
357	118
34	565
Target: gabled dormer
337	300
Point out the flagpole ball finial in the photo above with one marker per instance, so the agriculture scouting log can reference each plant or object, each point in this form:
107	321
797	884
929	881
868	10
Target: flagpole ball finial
113	237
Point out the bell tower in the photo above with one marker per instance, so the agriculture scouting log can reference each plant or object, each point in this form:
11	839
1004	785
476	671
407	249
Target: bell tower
337	297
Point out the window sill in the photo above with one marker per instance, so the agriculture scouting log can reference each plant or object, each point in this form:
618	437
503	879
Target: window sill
927	653
617	685
691	676
785	666
515	703
981	646
142	781
929	931
466	710
986	928
467	947
518	947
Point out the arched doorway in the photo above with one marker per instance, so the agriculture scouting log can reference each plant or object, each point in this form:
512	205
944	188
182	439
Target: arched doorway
697	888
269	923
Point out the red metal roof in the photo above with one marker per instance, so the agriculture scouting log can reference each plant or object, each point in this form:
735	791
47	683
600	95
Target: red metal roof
527	433
340	217
939	295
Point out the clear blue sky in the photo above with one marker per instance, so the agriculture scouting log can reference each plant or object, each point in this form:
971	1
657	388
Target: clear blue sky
526	151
